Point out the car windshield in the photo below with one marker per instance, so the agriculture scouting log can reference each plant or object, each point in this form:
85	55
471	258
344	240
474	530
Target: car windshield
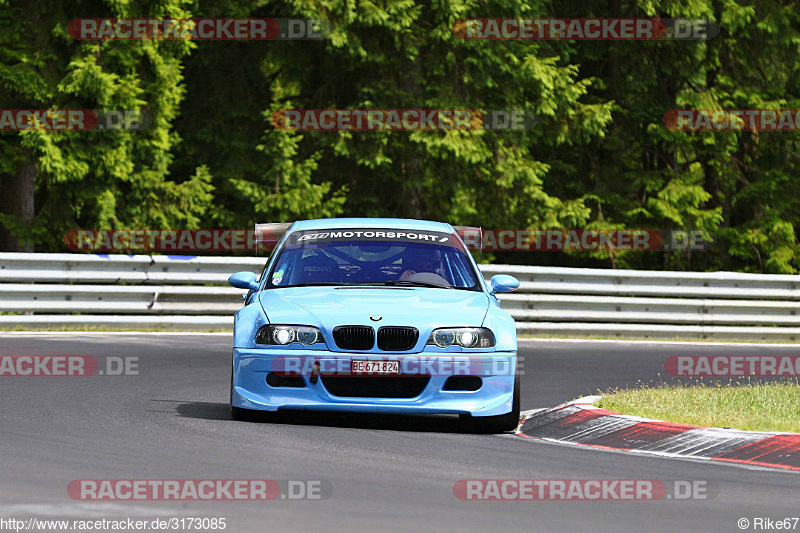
316	258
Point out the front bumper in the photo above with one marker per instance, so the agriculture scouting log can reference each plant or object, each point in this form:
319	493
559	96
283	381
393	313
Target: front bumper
251	391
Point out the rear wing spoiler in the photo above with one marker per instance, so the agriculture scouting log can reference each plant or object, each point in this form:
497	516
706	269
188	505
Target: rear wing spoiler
472	236
269	235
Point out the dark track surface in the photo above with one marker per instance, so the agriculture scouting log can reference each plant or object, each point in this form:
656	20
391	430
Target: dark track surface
387	473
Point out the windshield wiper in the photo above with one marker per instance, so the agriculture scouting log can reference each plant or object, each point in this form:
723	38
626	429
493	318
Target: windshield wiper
416	284
397	283
314	284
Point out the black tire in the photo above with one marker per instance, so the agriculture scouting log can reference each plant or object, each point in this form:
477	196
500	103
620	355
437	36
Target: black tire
499	423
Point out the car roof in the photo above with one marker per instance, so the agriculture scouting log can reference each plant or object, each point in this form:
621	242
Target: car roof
382	223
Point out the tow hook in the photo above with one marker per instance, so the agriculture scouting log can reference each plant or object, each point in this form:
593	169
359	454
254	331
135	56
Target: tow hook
314	373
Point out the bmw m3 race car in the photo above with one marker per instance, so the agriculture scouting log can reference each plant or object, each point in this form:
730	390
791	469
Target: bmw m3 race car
375	315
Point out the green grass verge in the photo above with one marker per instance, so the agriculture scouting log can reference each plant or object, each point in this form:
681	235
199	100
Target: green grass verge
752	406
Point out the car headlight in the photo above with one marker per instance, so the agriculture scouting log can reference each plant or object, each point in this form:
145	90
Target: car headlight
465	337
284	335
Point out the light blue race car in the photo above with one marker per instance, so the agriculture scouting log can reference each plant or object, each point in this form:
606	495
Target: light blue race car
377	316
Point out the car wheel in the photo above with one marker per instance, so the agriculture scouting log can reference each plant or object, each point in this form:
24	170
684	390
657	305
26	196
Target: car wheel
499	423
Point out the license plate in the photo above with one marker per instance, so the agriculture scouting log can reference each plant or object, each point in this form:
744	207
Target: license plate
375	367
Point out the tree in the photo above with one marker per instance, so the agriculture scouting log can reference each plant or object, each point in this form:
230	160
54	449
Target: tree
93	179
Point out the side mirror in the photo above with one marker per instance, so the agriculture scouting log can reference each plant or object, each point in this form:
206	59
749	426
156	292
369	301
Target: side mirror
504	283
244	280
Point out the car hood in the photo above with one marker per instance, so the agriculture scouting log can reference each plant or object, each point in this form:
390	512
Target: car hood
328	307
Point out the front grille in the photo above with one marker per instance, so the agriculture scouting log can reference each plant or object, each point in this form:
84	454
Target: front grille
376	387
354	337
397	339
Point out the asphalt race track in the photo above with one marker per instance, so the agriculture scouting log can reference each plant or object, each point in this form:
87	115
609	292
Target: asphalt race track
387	473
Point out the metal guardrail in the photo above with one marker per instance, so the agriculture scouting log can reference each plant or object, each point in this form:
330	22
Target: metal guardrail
147	269
190	292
